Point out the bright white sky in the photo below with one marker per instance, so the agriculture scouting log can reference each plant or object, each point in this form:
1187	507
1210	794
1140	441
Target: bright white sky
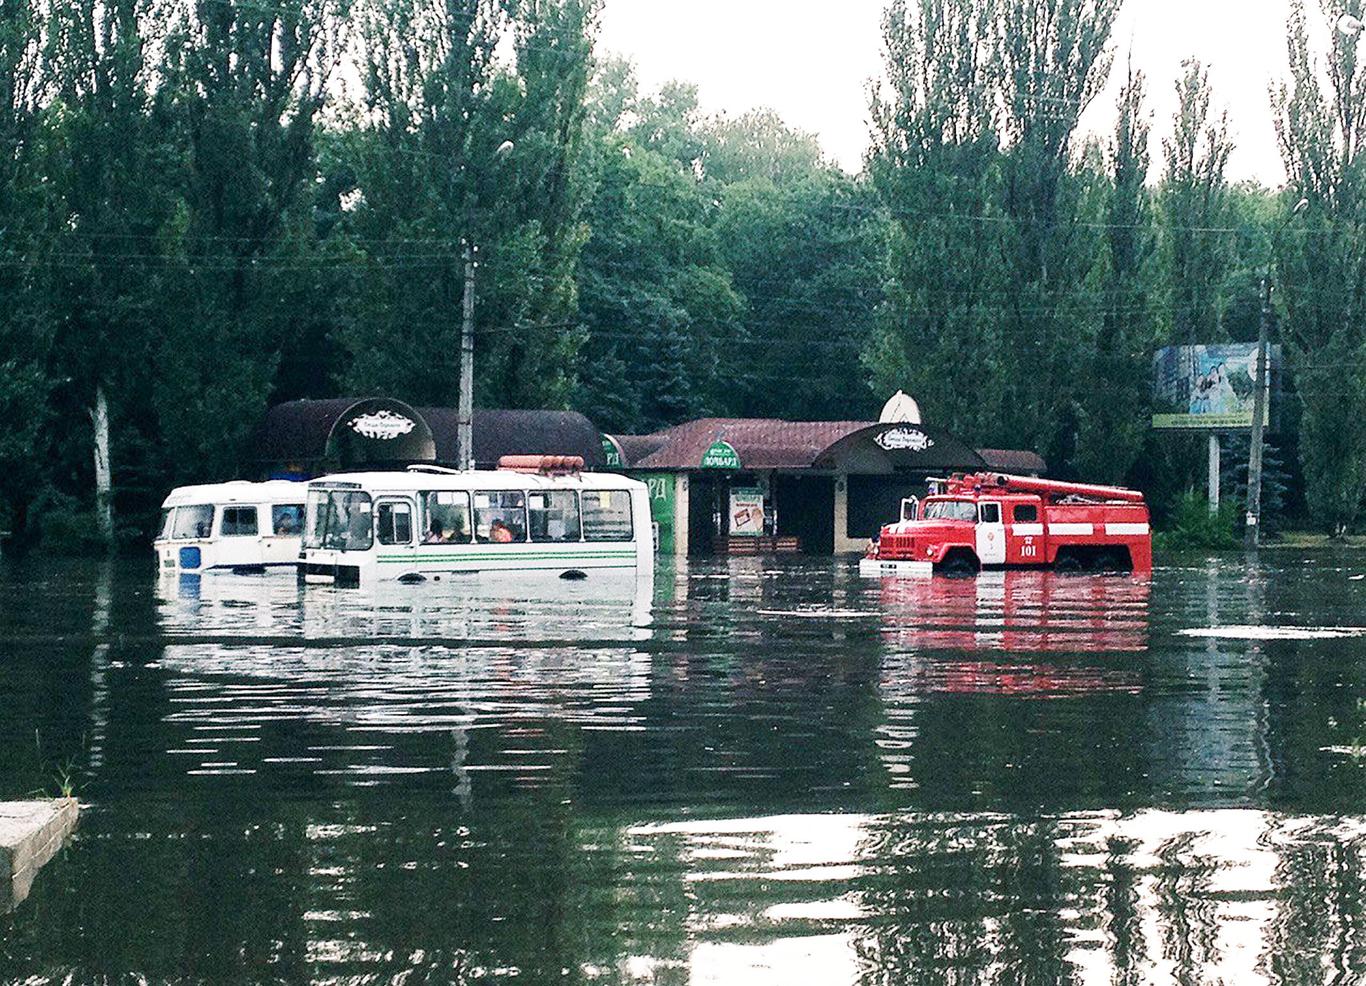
811	62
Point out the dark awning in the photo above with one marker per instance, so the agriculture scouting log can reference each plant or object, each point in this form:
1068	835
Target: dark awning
311	437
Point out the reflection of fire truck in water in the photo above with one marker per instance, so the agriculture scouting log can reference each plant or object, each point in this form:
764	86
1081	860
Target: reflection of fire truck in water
991	520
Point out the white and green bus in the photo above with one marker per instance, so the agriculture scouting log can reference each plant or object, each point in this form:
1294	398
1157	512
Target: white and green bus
430	524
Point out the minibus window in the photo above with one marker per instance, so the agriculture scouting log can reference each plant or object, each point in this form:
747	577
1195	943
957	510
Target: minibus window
238	522
394	520
287	519
553	515
167	520
607	515
193	522
499	516
446	517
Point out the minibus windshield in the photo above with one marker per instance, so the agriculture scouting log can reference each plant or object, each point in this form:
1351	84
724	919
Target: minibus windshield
339	520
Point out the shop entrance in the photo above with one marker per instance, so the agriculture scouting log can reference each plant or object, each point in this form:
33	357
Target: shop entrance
706	513
806	511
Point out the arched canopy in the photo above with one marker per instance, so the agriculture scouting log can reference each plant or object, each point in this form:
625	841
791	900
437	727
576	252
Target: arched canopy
902	445
345	433
306	438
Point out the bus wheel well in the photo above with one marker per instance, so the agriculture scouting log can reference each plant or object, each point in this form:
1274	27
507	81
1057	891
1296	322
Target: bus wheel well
959	562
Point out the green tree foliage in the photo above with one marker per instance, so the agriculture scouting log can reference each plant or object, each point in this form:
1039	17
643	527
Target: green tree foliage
1322	264
422	171
935	165
25	327
1113	406
1195	211
657	303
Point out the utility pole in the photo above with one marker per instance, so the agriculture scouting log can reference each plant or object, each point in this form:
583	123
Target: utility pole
1251	533
464	422
464	415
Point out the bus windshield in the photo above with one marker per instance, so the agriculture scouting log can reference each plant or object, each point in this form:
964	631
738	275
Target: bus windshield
950	510
339	520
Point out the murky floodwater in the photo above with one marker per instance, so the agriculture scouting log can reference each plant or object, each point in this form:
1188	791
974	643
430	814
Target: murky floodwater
769	772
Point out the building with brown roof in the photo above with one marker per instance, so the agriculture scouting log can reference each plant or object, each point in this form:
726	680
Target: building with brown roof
763	484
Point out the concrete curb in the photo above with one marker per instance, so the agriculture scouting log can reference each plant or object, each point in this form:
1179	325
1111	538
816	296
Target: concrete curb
31	832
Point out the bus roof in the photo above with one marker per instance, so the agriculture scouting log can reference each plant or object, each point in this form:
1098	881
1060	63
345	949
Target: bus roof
237	491
420	480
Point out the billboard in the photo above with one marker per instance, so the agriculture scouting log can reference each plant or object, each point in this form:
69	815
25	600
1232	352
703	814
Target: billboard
1208	388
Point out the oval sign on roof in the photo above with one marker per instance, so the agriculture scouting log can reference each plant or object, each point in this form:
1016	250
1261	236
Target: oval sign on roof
905	439
384	426
721	455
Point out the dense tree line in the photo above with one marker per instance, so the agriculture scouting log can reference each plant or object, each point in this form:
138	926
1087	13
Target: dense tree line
207	206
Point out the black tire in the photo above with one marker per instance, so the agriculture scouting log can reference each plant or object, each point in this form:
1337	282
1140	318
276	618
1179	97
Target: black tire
1068	563
958	564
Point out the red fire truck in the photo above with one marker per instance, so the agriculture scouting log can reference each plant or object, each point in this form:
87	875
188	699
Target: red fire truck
991	520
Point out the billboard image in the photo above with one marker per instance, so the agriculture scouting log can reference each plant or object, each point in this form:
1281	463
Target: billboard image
1207	387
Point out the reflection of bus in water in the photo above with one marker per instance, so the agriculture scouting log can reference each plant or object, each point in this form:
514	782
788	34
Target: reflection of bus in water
1019	610
535	515
237	527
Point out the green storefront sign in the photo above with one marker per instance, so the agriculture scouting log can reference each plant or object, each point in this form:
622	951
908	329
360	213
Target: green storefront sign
721	455
663	506
611	453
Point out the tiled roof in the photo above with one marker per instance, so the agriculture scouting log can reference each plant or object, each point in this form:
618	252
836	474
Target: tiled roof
772	443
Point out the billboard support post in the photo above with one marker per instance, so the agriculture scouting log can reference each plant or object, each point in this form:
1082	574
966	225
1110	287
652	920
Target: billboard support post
1251	532
1213	472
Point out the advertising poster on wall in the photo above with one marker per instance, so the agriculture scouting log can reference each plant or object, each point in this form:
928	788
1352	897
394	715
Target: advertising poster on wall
1208	388
746	511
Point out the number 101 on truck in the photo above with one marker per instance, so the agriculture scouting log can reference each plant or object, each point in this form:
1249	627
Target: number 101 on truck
991	520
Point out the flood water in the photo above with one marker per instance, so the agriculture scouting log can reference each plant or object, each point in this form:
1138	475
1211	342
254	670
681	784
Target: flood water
769	772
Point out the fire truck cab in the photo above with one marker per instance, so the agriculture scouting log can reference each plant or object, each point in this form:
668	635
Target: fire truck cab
992	520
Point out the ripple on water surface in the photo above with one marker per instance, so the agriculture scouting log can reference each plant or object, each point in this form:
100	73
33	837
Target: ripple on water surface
761	772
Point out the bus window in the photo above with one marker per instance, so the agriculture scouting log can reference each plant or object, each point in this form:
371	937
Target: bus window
394	522
446	516
607	515
167	523
238	522
499	516
193	522
554	515
287	519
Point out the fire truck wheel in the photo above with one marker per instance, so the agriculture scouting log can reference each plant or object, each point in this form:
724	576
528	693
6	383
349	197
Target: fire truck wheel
958	564
1068	561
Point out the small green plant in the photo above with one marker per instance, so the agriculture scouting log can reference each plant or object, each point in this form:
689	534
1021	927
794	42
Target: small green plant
1191	525
62	774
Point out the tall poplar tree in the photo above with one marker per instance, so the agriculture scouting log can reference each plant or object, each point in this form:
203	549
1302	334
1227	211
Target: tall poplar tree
1321	260
935	165
1113	406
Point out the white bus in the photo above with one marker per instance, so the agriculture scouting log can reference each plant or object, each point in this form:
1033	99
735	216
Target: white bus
430	523
231	527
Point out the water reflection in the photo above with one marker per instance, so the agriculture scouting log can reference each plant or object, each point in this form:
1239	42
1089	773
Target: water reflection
768	771
1231	896
503	608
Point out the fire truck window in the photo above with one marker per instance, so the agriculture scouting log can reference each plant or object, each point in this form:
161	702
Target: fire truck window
991	513
1026	513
